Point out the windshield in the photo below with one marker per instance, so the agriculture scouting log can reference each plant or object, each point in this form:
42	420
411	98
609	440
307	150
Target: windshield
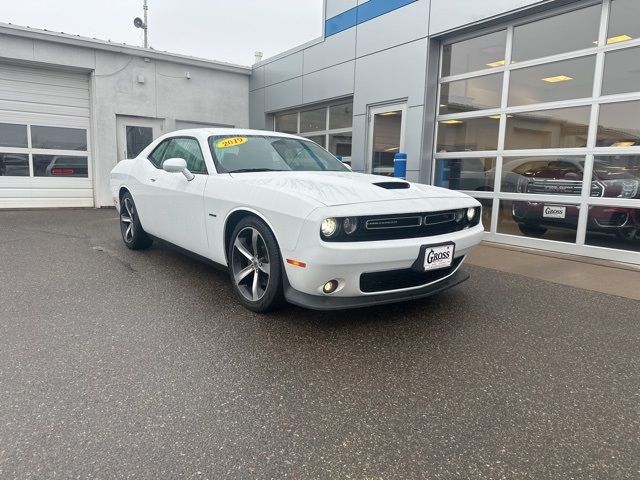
254	153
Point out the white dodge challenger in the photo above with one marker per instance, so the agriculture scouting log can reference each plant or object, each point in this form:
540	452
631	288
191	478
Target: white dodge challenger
292	222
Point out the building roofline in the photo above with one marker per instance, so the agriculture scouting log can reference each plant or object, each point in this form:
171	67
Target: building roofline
94	43
289	51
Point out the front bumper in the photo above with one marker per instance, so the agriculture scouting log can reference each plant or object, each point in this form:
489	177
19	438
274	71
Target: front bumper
346	262
328	303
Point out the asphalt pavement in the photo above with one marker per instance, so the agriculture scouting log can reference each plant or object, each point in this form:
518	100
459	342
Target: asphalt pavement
122	364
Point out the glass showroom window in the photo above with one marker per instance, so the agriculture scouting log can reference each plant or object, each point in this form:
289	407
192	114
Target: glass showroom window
329	126
540	120
43	151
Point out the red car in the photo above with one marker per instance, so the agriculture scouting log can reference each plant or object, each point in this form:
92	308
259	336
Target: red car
564	177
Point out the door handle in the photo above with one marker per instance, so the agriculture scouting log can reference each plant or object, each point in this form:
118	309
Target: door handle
153	179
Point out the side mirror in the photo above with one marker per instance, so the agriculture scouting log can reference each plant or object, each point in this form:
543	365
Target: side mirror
177	165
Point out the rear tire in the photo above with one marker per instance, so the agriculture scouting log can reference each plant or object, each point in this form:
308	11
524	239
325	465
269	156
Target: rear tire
255	266
532	230
133	235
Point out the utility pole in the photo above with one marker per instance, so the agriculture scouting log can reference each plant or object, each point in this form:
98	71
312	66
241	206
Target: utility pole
139	23
146	24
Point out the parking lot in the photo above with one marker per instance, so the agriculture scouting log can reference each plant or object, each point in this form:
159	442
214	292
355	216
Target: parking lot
118	364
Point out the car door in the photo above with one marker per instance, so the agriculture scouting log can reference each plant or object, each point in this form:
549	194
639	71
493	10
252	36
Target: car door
176	205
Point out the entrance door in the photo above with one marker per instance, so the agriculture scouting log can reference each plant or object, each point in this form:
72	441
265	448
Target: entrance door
135	133
386	137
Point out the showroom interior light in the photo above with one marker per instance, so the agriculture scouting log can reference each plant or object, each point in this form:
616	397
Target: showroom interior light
451	122
498	63
557	79
623	144
618	39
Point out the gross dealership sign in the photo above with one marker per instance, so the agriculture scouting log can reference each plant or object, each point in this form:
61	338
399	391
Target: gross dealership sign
554	211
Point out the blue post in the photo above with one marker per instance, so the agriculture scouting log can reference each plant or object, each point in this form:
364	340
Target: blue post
400	165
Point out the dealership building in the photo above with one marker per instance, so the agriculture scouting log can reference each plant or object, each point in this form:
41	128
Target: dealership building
532	107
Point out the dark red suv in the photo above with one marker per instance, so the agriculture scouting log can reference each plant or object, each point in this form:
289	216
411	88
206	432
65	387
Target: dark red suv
564	177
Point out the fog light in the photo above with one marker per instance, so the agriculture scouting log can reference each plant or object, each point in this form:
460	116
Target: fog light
471	212
330	286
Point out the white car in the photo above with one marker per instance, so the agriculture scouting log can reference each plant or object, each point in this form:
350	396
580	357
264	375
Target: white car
291	222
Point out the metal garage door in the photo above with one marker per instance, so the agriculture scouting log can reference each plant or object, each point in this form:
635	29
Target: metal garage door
44	138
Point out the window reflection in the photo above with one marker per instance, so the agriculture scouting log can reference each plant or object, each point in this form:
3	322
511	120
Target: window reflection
540	219
623	21
617	176
14	165
477	174
552	82
313	120
476	93
59	166
58	138
614	227
479	53
619	125
468	134
574	30
387	129
621	72
340	145
543	175
287	123
487	210
12	135
557	128
341	116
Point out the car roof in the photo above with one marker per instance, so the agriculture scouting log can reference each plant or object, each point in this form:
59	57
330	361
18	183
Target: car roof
217	131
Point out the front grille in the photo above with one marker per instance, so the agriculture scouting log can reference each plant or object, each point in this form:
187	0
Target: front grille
560	187
404	278
411	225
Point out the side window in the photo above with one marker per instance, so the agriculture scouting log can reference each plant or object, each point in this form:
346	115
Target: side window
157	156
189	150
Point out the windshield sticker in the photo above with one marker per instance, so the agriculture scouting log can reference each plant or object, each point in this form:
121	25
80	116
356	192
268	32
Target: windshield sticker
231	142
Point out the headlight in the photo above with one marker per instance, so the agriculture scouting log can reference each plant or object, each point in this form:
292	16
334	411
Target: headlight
350	225
471	212
329	227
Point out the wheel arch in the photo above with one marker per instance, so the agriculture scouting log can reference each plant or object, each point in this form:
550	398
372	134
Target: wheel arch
233	218
121	191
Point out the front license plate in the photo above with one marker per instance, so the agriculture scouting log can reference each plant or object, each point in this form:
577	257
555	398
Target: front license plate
438	256
554	211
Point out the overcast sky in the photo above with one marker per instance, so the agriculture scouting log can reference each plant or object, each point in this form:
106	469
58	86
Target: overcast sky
226	30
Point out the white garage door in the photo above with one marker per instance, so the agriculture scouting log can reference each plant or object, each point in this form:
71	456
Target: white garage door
44	138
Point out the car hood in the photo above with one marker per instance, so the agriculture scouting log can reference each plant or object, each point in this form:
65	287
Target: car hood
341	188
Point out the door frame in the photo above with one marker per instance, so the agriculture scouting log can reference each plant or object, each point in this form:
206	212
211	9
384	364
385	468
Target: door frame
123	121
374	110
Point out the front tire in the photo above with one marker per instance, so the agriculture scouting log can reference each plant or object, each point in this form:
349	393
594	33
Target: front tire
532	230
255	265
133	235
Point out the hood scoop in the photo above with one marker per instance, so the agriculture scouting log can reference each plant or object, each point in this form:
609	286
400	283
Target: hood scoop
393	185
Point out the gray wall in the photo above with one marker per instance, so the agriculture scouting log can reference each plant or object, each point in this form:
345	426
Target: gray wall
380	61
210	96
216	93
